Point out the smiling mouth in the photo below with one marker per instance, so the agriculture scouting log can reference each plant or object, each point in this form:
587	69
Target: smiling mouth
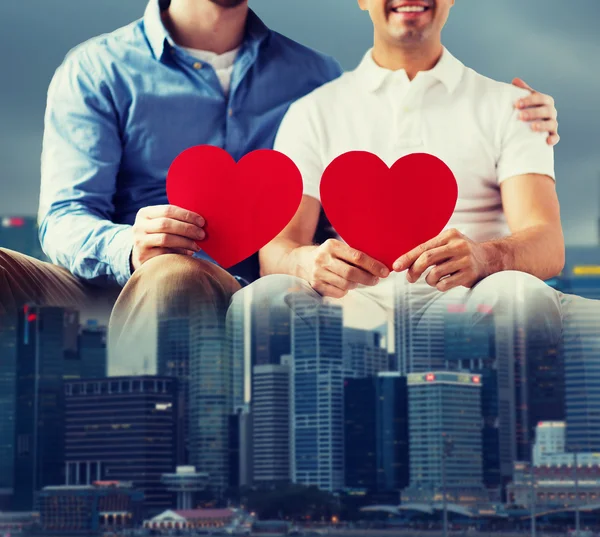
410	9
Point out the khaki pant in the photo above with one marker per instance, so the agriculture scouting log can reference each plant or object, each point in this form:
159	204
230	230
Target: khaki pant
158	286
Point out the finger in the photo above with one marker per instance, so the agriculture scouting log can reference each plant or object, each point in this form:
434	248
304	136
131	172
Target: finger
458	279
520	83
164	240
359	259
549	125
539	112
174	227
445	269
352	274
331	278
325	289
174	212
407	260
426	260
535	99
553	139
182	251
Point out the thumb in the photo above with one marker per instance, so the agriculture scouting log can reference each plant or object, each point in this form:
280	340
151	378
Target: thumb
520	83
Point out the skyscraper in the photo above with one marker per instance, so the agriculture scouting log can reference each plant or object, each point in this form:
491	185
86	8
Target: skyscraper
47	339
210	397
364	355
419	335
582	350
445	407
271	423
271	326
123	429
376	434
173	360
92	351
318	393
8	372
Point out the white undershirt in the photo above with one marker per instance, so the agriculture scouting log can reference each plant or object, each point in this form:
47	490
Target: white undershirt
221	63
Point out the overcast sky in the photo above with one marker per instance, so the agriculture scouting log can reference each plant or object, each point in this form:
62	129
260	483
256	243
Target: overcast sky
554	45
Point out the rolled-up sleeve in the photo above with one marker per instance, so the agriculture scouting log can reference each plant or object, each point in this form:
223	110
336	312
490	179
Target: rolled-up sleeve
81	156
522	150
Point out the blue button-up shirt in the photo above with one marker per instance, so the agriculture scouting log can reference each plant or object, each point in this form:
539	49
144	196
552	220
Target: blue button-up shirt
122	106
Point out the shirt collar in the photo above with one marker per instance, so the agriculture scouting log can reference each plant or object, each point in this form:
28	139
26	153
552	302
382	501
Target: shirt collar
160	40
448	71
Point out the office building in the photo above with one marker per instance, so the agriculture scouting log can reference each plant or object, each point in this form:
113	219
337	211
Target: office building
271	330
20	233
364	354
8	372
582	351
376	435
271	419
172	353
317	393
92	351
100	509
210	397
46	348
445	426
238	342
123	429
240	448
419	337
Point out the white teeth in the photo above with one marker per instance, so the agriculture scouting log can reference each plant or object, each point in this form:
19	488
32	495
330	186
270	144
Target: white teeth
409	9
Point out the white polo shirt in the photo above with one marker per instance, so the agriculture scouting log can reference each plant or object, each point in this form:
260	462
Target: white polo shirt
467	120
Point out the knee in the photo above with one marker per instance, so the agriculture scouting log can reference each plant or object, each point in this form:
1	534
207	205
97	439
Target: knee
173	275
278	285
518	292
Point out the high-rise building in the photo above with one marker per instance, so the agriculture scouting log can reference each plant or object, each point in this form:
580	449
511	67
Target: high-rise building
123	429
582	350
419	335
318	393
20	233
8	372
237	340
445	429
376	434
210	397
173	353
240	451
92	351
471	348
47	342
271	418
364	354
271	329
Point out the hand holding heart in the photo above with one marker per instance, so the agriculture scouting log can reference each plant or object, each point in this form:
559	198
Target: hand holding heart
457	261
165	229
334	268
380	212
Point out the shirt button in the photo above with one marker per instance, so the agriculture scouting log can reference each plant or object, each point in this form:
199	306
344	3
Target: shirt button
408	109
230	112
197	66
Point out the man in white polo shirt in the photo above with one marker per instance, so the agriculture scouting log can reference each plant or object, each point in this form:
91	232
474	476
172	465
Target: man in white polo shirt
411	95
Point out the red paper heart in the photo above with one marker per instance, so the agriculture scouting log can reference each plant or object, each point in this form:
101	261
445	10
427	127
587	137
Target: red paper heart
245	205
386	212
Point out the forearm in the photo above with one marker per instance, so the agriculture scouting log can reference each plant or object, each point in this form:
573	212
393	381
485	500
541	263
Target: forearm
285	256
538	250
90	247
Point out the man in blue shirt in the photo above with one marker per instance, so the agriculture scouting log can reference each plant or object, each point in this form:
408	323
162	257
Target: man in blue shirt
120	108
